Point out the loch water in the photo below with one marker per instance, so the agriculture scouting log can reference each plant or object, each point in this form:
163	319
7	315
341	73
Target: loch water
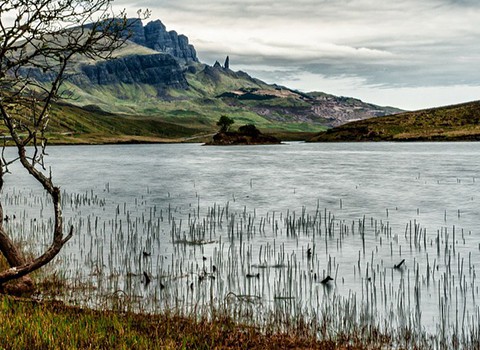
261	226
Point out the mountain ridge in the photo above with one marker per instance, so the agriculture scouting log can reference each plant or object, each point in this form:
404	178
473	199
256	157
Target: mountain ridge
157	75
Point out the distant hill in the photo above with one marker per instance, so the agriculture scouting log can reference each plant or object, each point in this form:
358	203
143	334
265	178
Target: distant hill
157	76
87	125
451	123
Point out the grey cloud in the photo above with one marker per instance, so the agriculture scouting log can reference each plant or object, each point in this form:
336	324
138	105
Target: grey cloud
385	43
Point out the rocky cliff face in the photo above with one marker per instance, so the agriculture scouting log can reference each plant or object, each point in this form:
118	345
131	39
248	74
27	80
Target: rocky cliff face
156	37
161	70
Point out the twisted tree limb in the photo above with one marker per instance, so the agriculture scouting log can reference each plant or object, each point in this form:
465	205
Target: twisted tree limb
45	37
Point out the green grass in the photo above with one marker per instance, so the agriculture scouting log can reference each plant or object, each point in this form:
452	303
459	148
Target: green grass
450	123
28	324
31	325
70	124
74	125
288	102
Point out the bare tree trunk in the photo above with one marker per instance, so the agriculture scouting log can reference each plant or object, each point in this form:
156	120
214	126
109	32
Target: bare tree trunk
14	257
9	250
19	267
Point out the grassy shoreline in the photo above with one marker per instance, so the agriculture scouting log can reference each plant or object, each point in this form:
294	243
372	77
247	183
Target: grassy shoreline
105	139
53	325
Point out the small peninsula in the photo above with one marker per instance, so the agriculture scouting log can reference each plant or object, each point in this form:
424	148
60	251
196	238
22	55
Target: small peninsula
245	135
237	138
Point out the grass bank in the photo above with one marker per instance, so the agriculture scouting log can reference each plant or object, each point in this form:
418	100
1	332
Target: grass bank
28	324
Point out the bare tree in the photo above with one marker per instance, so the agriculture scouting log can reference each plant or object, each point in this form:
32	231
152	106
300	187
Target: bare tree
39	41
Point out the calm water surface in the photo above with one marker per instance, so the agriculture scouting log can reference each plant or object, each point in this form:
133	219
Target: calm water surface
397	189
368	177
413	180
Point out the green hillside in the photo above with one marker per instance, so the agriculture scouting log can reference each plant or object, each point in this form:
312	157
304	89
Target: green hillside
88	125
151	93
74	125
214	92
199	106
450	123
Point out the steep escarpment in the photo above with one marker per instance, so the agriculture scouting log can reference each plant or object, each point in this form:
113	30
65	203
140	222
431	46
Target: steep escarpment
155	36
159	39
159	70
136	63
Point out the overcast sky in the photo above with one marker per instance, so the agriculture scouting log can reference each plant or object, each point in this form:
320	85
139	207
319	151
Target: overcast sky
410	54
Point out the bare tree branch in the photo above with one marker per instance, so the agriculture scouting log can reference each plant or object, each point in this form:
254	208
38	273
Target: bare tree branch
39	42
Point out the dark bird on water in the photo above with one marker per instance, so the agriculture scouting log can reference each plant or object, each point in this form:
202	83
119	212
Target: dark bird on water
326	280
145	254
309	253
214	268
399	265
147	277
253	275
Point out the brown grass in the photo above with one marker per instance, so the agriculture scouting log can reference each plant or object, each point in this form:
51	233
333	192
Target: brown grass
53	325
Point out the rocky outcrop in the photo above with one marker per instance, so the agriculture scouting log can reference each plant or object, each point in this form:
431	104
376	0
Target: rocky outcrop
242	137
159	70
213	74
135	32
156	37
163	70
159	39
